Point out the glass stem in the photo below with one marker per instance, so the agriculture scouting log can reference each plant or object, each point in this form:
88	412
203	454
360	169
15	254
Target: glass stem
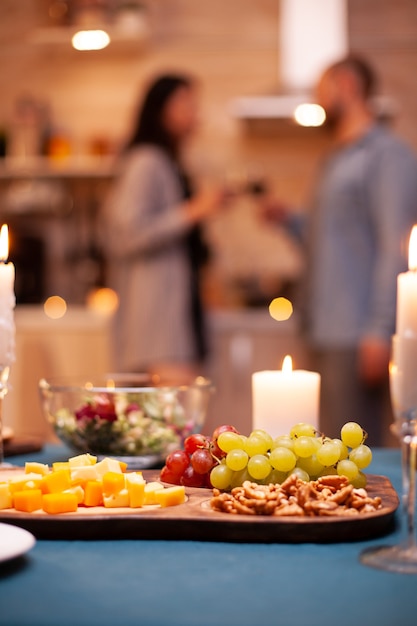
409	448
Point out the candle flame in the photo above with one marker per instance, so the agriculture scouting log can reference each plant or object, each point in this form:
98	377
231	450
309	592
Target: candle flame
4	243
287	364
412	249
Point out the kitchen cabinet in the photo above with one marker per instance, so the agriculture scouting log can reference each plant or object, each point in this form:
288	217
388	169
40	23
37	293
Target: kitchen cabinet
51	208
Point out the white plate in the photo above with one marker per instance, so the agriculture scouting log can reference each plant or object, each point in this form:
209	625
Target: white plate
14	541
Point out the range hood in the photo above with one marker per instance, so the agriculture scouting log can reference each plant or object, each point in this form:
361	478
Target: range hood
312	34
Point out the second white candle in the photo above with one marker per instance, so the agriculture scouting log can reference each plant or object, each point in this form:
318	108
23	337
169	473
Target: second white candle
283	398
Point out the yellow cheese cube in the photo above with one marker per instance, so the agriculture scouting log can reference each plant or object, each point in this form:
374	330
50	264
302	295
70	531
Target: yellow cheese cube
25	481
78	491
82	459
60	465
108	465
120	499
56	482
80	475
170	496
150	489
53	503
135	485
5	496
27	500
31	467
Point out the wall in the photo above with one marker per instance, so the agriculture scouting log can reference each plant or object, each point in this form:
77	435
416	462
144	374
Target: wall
233	48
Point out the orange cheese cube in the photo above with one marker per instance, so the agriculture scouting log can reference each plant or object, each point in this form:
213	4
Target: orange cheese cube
123	466
170	496
56	482
27	500
93	493
113	483
54	503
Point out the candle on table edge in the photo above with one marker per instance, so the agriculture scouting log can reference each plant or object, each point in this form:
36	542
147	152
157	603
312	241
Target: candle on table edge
7	302
282	398
406	324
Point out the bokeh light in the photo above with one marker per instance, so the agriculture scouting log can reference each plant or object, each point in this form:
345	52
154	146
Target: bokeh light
55	307
309	114
103	300
280	309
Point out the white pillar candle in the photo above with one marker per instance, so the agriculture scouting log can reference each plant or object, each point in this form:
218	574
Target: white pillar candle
7	303
406	325
281	399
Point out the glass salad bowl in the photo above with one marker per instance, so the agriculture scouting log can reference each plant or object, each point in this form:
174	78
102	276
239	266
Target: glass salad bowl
130	417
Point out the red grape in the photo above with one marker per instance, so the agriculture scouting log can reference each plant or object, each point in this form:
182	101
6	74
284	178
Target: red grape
194	442
221	429
168	476
190	478
202	461
192	466
216	451
177	461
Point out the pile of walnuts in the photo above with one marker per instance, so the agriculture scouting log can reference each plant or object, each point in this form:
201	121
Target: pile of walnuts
327	496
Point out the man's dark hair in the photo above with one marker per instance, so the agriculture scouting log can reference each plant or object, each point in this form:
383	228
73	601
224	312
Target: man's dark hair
362	70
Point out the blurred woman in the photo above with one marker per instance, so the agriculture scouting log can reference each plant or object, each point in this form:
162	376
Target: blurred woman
153	242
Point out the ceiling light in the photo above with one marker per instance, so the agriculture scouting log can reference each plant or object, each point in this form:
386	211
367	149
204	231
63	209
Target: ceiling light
309	114
90	40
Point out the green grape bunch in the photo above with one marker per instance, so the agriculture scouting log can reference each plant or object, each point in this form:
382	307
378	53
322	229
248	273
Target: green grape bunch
303	451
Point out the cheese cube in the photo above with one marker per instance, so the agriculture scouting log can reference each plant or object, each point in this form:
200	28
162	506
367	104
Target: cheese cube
31	467
54	503
60	465
80	475
93	493
135	485
5	497
55	482
170	496
120	499
27	500
78	491
150	489
82	459
108	465
25	481
113	483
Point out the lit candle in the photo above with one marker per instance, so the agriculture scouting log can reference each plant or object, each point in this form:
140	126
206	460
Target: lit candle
285	397
7	302
407	293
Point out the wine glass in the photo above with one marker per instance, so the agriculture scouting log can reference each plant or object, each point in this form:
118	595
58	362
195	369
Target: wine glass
402	557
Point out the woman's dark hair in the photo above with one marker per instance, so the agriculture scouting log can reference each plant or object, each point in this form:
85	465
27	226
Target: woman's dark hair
149	127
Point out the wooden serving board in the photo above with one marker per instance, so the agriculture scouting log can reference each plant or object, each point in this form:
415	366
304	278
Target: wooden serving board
195	520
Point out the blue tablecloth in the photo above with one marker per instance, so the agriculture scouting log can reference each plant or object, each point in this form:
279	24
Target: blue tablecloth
161	583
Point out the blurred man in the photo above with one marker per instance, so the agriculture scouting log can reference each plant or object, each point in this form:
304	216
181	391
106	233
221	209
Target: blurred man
363	209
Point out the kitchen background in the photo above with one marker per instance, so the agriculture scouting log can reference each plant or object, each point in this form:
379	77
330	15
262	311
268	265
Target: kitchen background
63	116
